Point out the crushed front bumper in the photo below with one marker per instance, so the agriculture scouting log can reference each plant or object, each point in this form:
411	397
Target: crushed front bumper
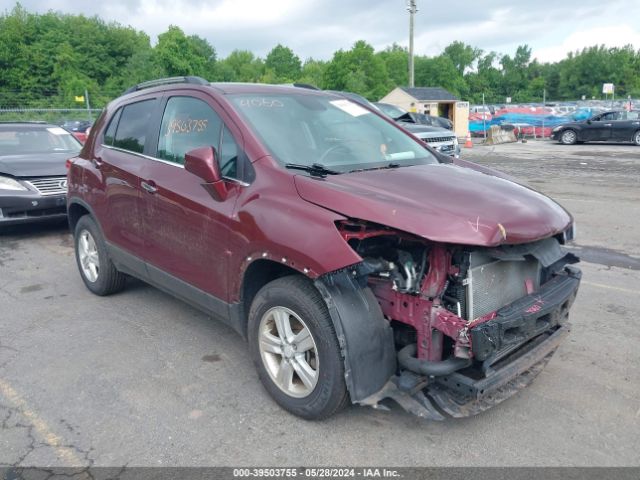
461	396
513	348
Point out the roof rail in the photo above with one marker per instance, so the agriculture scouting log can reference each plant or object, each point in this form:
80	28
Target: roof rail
305	85
36	122
167	81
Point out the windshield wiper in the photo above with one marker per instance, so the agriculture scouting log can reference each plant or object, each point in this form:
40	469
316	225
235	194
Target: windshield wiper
315	169
382	167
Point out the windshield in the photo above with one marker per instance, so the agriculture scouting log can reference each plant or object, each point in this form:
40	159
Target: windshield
25	139
333	132
391	110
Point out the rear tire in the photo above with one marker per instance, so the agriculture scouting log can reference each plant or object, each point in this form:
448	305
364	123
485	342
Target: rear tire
294	347
636	138
569	137
97	270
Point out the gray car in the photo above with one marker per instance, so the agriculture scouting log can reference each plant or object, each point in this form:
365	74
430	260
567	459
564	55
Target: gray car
33	174
440	139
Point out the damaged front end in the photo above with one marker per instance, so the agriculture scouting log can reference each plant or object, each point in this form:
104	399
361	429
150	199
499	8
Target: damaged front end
447	329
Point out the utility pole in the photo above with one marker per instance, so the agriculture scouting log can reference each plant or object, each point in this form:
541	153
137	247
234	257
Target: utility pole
412	9
86	100
484	120
544	109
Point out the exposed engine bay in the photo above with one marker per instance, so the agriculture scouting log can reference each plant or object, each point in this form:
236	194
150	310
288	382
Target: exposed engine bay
466	320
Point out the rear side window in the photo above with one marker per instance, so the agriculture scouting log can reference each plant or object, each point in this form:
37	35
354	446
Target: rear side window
611	116
187	123
132	128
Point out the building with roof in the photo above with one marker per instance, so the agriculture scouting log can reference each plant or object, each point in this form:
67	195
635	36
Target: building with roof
432	101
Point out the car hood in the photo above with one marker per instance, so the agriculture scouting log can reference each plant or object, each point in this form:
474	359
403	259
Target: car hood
35	164
443	203
413	128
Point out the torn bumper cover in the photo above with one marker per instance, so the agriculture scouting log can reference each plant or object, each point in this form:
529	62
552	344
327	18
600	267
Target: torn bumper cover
461	396
513	348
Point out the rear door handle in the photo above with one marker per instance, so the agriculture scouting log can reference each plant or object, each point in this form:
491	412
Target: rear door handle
149	186
607	124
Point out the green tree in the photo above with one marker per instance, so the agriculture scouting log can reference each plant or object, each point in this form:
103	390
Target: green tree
313	73
396	60
240	66
177	54
462	55
439	72
46	60
284	64
358	70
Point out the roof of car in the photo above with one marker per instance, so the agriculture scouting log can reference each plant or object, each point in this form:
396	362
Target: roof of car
224	88
27	124
233	88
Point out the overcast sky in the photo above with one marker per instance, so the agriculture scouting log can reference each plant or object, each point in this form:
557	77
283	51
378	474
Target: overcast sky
316	28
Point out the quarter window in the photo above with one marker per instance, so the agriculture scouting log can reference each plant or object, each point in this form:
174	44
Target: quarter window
132	127
187	123
228	155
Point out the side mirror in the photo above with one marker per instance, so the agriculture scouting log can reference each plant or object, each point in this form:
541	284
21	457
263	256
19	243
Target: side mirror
203	163
589	121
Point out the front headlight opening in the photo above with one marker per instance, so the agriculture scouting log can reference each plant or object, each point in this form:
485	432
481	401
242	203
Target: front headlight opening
8	183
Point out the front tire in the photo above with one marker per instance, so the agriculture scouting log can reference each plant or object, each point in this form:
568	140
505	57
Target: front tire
294	347
636	138
97	270
569	137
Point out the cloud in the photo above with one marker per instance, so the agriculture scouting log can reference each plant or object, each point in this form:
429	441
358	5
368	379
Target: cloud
317	28
611	36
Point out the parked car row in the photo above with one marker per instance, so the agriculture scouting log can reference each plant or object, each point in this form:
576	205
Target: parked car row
78	128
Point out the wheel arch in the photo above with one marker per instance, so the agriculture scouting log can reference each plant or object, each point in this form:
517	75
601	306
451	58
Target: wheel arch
259	273
75	211
364	335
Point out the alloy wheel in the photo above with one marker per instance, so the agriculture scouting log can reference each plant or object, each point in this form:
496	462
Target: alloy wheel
569	137
88	254
288	352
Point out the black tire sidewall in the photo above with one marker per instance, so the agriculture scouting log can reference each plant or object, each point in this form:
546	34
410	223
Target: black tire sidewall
99	287
299	295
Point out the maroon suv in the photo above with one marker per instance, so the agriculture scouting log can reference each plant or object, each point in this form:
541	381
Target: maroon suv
358	264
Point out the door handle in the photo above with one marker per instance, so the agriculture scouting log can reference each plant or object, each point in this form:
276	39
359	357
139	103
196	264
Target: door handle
607	124
149	186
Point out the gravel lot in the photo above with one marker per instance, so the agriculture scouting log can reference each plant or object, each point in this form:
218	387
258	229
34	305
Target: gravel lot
144	380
